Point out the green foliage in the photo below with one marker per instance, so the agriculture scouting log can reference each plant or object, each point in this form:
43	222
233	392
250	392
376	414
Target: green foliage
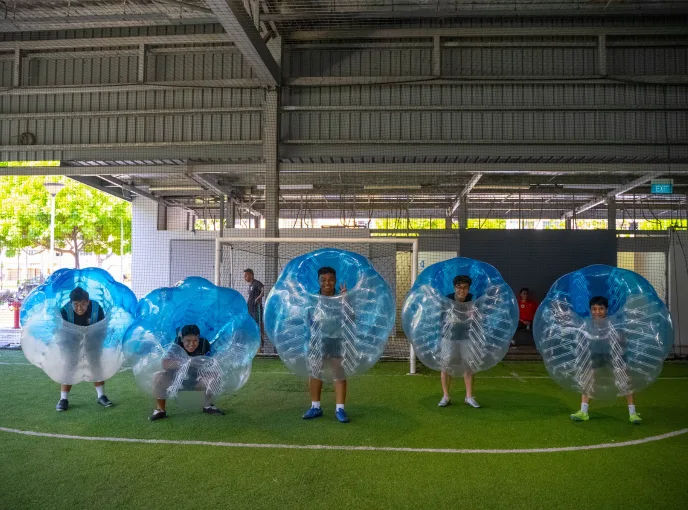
407	224
86	220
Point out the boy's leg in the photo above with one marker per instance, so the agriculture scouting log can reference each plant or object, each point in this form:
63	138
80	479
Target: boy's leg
633	416
340	392
100	390
445	378
159	412
63	403
468	381
315	390
340	398
582	414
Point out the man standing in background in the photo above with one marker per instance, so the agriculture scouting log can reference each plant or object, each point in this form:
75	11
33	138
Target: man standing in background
255	300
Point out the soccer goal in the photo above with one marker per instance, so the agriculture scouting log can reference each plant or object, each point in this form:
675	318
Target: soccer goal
396	259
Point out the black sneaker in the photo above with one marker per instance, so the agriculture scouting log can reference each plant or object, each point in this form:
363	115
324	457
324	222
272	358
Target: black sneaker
104	401
62	405
158	414
211	409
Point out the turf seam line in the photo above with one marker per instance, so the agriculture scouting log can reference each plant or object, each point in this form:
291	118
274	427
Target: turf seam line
350	447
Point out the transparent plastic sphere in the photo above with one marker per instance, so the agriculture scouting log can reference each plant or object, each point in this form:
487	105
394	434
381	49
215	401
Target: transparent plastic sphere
161	365
329	337
459	337
69	353
606	357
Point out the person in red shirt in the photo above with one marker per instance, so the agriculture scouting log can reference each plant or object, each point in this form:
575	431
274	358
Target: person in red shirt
526	309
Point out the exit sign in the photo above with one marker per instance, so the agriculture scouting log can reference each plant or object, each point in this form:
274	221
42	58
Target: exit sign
662	186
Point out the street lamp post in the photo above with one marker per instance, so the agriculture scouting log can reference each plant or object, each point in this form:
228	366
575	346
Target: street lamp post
53	188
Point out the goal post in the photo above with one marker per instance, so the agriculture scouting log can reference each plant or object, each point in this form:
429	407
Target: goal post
270	254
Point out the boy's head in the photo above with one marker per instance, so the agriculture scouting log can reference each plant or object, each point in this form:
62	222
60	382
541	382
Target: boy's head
462	284
248	275
327	278
191	336
524	293
598	307
80	300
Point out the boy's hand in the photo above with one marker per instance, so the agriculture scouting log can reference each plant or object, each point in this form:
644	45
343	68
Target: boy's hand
342	288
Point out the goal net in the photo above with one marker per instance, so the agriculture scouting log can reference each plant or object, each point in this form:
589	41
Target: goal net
393	258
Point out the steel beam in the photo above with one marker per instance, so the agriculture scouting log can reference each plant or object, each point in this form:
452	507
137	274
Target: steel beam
612	194
484	32
239	27
109	42
99	21
463	193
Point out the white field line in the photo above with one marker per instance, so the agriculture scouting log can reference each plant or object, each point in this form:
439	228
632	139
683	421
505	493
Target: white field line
513	375
346	447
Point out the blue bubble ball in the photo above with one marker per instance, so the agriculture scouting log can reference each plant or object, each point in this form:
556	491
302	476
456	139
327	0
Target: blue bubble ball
329	337
68	353
460	337
161	365
606	357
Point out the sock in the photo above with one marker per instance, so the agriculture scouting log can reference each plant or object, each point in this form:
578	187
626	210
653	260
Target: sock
584	407
631	408
315	405
100	391
64	394
338	407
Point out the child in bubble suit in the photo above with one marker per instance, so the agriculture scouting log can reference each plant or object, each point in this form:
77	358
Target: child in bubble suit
327	317
599	306
82	311
453	348
192	345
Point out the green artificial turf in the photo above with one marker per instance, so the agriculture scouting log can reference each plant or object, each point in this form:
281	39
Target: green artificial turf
522	408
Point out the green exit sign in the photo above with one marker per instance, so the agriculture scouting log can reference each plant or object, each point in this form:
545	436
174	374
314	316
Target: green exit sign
662	186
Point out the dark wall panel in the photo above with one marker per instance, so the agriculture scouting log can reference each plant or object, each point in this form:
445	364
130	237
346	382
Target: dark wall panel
536	258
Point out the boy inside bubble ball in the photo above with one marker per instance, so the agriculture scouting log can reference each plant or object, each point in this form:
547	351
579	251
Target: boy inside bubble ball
599	306
82	311
454	348
326	345
192	344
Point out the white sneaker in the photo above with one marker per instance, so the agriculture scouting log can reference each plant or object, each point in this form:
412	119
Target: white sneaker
472	402
444	402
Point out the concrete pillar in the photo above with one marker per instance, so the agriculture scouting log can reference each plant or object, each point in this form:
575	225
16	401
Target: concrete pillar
271	131
231	214
611	214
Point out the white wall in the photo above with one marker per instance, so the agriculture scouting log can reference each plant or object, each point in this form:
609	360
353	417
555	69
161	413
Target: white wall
150	264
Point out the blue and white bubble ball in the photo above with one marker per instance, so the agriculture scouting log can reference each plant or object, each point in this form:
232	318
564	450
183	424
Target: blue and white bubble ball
68	353
603	357
329	337
460	337
222	318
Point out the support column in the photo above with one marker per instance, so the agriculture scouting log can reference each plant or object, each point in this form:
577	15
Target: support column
611	213
463	215
448	223
16	76
141	69
602	55
270	137
222	215
231	214
436	56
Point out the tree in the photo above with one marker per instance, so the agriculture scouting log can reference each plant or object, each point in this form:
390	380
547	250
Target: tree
86	220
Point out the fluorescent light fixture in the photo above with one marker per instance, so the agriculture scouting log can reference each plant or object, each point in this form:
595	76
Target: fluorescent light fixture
288	186
392	186
175	188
